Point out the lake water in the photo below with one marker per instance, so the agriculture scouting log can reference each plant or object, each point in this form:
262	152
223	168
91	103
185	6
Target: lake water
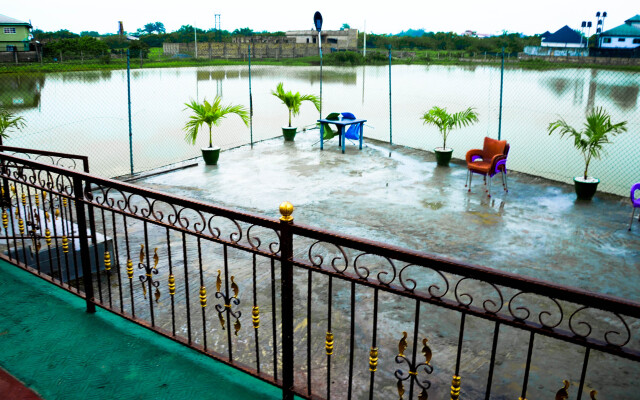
86	112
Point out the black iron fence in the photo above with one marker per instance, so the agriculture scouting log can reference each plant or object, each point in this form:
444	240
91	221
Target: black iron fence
317	313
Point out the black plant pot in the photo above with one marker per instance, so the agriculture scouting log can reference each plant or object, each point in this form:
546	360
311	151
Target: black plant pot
443	155
585	190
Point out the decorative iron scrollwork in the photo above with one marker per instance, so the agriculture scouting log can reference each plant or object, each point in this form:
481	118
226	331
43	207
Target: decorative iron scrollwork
414	369
149	272
228	302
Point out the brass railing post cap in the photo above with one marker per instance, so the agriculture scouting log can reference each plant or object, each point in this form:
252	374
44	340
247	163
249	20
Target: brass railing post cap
286	209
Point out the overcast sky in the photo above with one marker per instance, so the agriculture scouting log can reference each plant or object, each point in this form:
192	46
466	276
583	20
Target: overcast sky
489	16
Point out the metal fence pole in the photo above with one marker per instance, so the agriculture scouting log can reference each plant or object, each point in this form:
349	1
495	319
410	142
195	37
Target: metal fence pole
501	86
390	124
250	99
129	102
320	51
85	257
286	280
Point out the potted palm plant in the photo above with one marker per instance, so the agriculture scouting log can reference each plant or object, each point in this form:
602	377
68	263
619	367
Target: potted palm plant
445	123
589	141
293	102
9	122
210	114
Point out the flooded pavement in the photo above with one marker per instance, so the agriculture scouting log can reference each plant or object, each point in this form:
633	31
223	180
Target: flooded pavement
400	196
395	195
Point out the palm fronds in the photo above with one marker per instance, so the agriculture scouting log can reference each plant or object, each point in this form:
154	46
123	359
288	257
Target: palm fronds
9	122
446	122
595	133
294	100
210	114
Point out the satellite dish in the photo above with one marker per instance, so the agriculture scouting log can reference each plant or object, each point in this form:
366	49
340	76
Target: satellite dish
317	21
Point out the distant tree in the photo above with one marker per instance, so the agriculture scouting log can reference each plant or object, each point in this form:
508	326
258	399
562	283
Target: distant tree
61	34
86	45
90	33
345	26
154	27
243	32
138	46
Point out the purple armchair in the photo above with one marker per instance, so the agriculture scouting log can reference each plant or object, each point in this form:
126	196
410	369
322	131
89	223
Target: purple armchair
635	202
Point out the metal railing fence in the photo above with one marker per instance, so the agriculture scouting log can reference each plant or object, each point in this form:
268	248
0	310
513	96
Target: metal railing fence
317	313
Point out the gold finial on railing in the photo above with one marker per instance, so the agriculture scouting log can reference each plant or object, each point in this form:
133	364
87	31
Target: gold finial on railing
21	226
328	343
172	285
37	199
563	393
24	199
236	327
57	213
47	236
373	359
221	318
455	387
65	244
402	345
17	212
593	394
255	317
107	261
130	269
64	202
156	259
46	216
203	296
218	281
44	196
286	210
5	219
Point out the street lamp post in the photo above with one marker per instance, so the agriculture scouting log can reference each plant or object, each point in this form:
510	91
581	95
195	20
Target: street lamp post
317	22
600	25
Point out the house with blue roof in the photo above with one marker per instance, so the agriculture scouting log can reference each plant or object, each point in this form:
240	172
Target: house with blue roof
625	36
564	37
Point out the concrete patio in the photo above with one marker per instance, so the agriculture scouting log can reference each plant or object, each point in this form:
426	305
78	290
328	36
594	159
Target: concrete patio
400	196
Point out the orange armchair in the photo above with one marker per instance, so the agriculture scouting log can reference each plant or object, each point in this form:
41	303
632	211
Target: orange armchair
492	159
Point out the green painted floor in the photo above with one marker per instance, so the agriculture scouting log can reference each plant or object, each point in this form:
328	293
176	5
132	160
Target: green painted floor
54	347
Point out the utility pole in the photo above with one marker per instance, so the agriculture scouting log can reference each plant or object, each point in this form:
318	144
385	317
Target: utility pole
195	39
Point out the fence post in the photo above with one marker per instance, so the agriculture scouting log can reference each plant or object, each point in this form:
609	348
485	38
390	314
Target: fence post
286	280
129	102
501	86
85	258
250	99
390	125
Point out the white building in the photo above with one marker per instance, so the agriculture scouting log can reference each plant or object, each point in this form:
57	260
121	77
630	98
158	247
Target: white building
625	36
346	39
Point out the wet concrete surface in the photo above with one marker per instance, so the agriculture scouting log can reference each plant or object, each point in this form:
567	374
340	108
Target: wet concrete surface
400	196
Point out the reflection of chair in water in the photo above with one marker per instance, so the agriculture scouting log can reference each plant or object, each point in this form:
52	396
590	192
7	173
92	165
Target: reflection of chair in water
492	159
635	202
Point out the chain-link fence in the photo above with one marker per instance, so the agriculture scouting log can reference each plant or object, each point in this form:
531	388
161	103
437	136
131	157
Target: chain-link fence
86	112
